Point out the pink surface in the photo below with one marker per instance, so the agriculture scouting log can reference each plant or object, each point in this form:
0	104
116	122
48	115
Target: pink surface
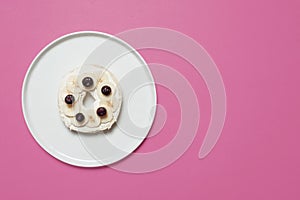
256	47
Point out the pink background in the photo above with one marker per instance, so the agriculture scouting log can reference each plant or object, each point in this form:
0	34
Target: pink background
256	47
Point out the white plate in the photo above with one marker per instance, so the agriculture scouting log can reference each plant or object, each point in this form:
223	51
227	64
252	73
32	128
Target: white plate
39	99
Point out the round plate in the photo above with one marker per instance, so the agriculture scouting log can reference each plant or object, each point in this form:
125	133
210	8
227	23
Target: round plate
39	99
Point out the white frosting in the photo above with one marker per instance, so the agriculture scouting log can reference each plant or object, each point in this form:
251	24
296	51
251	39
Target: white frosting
72	85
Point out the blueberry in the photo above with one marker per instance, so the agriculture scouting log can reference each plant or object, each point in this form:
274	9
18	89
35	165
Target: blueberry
101	111
79	117
69	99
87	82
106	90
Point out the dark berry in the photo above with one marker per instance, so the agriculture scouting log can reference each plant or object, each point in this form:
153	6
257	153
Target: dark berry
101	111
106	90
79	117
87	82
69	99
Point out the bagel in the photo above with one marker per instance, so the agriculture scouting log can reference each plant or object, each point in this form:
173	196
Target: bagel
104	89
